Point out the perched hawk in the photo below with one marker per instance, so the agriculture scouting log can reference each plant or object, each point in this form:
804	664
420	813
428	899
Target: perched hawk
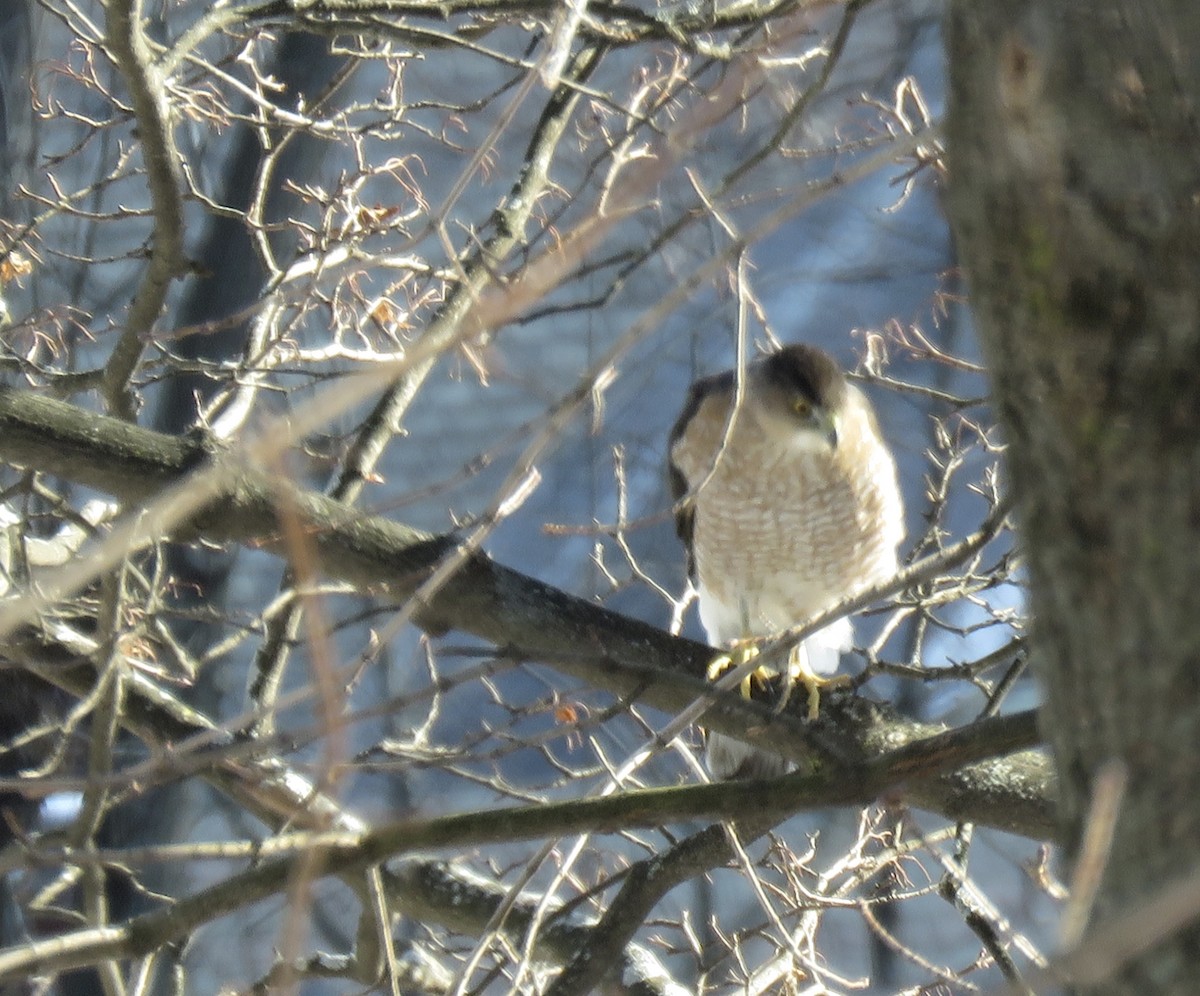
786	506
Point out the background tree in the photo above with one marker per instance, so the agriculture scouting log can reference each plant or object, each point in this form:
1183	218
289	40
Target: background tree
1072	139
416	293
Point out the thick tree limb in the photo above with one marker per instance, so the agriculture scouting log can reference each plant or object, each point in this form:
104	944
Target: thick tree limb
512	610
345	852
1071	134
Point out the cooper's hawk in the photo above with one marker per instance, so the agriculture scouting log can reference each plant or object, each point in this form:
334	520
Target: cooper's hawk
786	506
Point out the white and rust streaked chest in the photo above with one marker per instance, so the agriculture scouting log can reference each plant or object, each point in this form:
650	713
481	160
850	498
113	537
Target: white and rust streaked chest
783	527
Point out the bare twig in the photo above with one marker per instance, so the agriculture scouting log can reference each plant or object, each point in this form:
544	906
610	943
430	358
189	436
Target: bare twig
130	48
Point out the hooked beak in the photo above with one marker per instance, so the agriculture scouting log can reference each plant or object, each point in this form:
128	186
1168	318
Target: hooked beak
828	426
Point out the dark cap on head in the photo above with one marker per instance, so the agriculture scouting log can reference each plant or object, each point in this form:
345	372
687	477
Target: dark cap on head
808	371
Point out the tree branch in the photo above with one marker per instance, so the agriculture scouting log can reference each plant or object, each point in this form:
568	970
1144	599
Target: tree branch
126	40
349	852
522	614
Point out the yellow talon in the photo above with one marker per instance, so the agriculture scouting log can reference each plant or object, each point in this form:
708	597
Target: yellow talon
740	653
798	673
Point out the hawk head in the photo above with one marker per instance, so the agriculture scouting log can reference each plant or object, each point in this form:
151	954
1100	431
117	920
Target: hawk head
798	395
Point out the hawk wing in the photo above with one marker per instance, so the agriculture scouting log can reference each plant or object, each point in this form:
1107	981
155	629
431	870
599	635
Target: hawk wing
685	509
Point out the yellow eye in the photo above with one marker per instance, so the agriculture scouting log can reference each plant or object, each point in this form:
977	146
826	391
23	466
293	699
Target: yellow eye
802	407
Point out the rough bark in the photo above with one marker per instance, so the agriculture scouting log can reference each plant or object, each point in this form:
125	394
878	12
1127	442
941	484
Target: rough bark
1072	136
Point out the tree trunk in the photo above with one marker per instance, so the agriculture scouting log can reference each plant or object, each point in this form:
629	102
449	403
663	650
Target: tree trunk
1074	153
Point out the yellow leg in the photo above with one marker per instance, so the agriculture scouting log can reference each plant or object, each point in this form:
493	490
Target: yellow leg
799	673
740	653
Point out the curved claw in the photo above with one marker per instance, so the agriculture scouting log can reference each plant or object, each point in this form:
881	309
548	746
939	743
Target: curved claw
813	684
799	673
738	655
